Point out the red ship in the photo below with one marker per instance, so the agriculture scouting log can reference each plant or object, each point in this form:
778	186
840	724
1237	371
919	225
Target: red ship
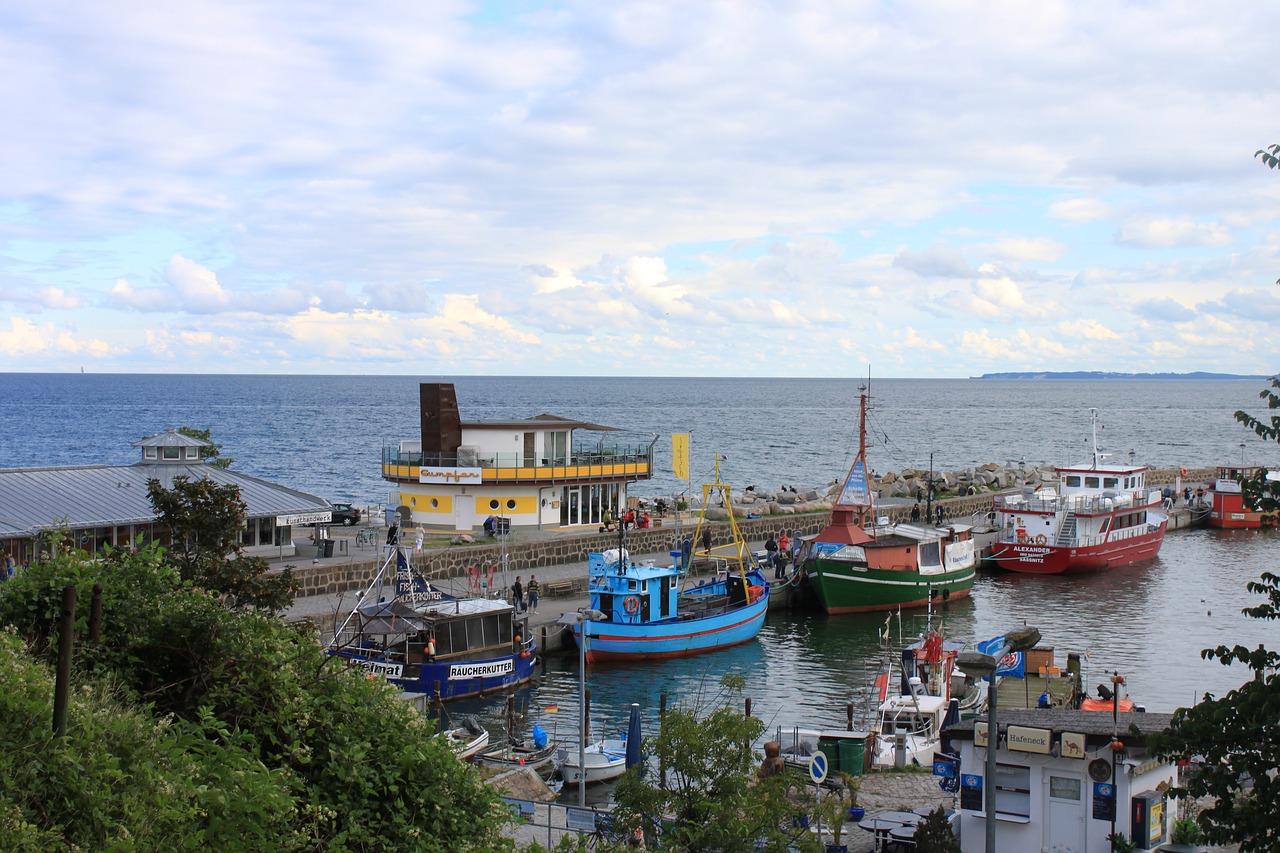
1098	517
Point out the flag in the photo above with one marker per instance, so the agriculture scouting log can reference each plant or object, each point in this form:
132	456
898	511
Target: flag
551	709
1012	664
680	455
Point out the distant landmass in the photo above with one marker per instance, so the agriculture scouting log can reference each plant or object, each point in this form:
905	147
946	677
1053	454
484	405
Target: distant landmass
1107	374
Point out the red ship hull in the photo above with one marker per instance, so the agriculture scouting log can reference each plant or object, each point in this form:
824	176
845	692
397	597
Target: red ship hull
1030	558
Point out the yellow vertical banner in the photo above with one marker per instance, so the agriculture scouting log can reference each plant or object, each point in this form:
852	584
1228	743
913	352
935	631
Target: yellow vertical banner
680	455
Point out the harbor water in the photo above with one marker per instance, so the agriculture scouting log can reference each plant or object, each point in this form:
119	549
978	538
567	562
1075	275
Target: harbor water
324	435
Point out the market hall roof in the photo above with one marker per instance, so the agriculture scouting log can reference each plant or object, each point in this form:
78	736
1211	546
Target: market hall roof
172	438
83	496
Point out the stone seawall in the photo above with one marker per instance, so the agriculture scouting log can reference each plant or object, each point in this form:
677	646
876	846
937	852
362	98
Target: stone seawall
561	548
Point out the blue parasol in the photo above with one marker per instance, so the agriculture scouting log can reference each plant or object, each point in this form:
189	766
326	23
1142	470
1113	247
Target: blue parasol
633	737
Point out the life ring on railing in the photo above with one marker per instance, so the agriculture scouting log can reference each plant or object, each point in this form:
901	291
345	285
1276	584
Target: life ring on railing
1182	472
1040	539
632	604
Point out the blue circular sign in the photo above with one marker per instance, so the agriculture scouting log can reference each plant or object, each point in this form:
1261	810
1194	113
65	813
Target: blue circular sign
818	767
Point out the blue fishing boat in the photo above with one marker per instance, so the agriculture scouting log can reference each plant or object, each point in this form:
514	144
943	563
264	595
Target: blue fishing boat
426	641
651	612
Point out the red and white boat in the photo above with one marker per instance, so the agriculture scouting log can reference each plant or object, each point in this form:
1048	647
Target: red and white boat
1097	518
1227	505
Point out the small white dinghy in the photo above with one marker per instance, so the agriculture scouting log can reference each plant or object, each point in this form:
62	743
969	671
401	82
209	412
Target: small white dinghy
468	738
604	760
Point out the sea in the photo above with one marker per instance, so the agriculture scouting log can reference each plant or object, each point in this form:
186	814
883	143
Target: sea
325	434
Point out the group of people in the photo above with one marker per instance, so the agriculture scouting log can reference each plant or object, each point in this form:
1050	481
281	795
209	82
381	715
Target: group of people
938	512
630	519
778	554
525	597
1188	497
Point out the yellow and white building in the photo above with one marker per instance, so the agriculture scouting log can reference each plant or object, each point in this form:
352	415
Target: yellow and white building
536	472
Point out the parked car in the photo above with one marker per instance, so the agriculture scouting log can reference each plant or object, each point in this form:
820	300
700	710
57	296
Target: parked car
345	514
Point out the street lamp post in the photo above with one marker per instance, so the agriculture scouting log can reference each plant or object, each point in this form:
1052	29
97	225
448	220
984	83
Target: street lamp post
580	619
979	663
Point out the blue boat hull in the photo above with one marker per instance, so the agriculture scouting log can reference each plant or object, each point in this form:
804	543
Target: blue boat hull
675	638
454	680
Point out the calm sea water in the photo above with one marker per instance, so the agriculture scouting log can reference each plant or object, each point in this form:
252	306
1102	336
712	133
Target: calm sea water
324	435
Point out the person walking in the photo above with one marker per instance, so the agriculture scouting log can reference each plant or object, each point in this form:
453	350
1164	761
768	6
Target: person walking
771	554
532	591
517	595
784	554
941	514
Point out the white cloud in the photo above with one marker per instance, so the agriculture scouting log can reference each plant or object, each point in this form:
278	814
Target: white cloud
283	184
1081	210
196	287
1161	232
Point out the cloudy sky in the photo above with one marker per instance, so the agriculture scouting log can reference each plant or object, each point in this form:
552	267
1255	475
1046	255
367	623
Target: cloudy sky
655	188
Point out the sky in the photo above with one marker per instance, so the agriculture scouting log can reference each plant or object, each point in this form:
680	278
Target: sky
915	189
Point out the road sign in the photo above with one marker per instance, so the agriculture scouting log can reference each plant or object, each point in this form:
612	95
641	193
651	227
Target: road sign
818	767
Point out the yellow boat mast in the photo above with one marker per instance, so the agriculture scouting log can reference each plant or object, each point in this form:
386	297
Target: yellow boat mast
734	551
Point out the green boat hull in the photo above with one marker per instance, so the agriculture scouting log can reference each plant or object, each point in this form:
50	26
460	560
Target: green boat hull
845	588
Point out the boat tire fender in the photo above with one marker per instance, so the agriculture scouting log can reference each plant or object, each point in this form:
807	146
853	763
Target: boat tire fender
632	604
1040	539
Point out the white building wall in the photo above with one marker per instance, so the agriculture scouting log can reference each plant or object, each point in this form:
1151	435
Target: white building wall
1049	827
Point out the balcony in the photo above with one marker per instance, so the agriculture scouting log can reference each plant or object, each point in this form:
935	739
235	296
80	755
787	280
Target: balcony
586	465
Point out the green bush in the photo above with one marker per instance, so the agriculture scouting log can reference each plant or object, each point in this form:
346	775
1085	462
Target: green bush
197	724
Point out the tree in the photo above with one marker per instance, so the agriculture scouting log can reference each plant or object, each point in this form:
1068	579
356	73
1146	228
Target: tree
211	454
1259	491
933	834
712	800
1235	740
198	726
1271	159
204	520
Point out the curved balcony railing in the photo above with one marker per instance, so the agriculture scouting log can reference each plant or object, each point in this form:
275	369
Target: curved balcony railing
595	463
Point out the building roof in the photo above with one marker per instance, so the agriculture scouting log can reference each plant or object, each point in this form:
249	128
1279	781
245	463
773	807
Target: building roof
83	496
172	438
542	421
1096	723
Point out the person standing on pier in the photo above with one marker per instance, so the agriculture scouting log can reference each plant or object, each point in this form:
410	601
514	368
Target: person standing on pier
517	595
915	513
532	591
771	554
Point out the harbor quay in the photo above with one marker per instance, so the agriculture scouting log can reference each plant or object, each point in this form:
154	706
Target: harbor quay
462	565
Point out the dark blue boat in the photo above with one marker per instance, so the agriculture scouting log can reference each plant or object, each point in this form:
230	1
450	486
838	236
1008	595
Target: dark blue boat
427	641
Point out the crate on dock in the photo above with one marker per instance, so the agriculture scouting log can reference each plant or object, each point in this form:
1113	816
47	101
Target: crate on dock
1039	658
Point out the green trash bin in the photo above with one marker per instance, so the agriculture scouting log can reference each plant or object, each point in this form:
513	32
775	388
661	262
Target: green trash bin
831	749
853	752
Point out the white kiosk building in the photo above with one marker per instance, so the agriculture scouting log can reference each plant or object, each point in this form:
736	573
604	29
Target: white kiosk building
1065	780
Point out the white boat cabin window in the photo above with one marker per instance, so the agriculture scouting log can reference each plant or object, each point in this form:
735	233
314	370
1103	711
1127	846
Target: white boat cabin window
1091	483
1110	482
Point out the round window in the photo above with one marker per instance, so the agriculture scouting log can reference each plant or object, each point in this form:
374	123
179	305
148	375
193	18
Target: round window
511	504
493	504
435	504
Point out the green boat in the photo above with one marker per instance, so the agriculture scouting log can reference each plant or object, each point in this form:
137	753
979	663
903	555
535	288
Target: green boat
853	567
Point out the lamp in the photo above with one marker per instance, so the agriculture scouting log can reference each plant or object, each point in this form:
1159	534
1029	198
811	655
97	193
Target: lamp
978	663
580	618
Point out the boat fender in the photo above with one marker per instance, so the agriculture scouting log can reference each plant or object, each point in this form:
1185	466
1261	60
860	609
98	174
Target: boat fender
431	647
1040	539
632	604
